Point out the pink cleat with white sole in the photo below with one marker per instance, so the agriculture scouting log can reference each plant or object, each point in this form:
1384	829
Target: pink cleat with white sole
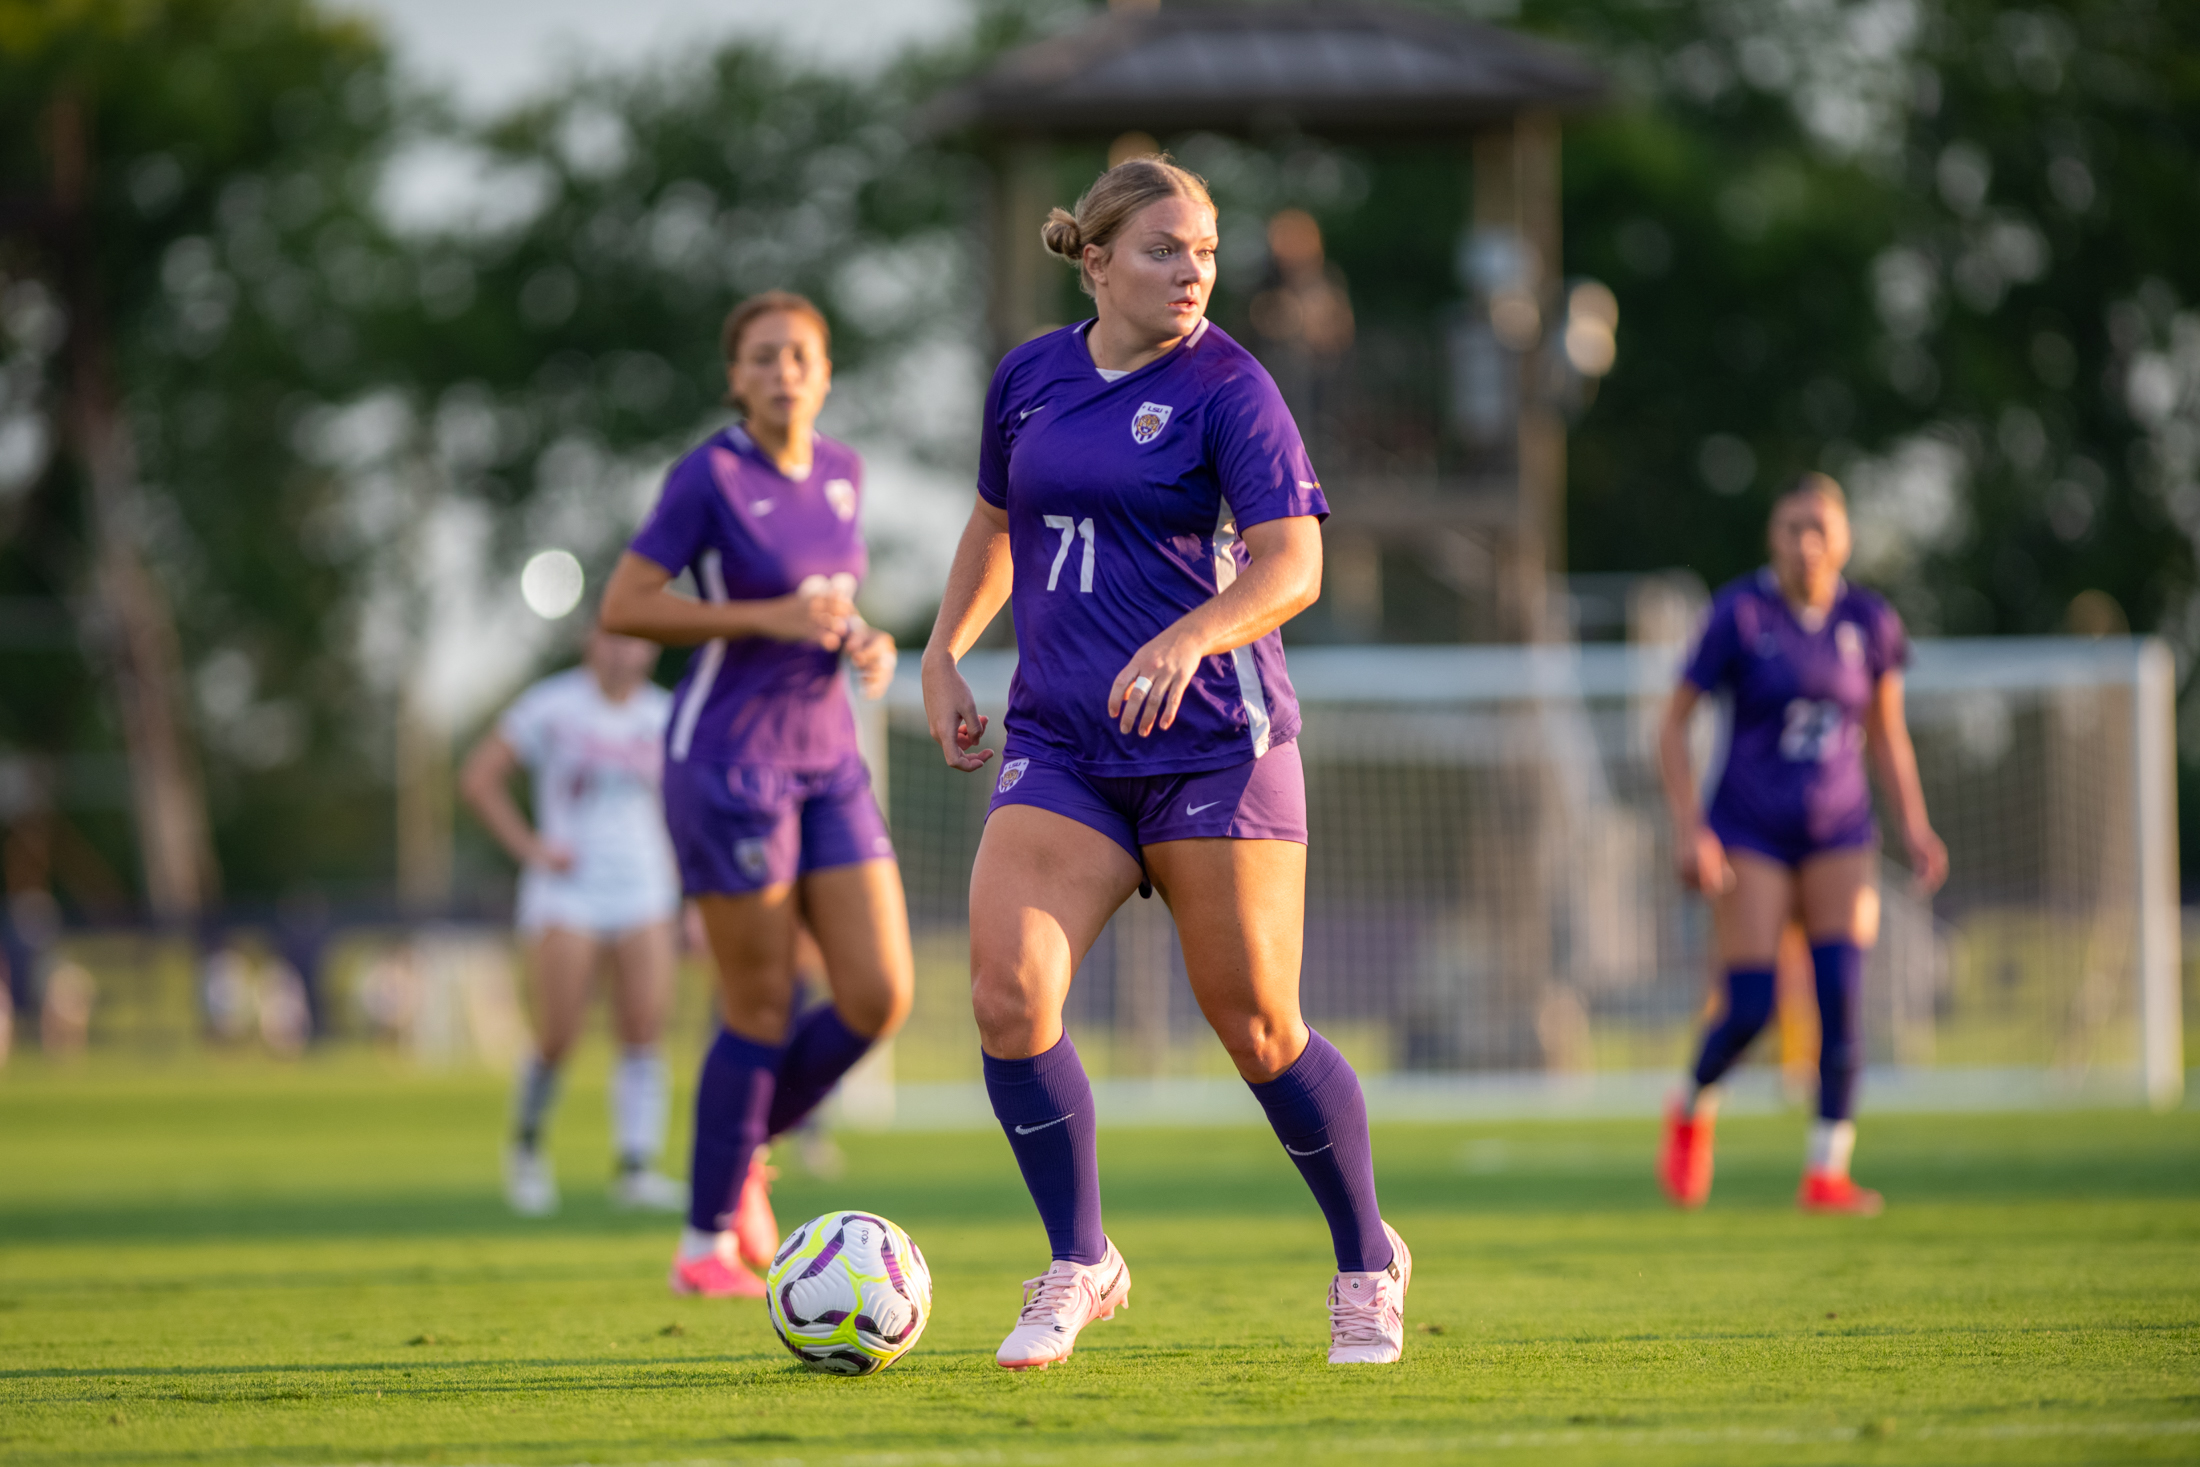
1061	1302
1367	1311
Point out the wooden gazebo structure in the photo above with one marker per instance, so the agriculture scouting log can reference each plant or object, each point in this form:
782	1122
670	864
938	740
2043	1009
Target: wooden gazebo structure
1344	72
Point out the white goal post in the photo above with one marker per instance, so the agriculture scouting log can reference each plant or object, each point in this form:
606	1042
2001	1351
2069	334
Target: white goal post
1493	923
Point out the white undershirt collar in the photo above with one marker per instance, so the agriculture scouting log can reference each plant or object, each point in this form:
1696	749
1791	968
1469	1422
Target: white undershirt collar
1109	374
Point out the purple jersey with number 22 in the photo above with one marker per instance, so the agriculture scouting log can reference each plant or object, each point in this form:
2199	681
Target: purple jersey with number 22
1125	501
750	533
1794	781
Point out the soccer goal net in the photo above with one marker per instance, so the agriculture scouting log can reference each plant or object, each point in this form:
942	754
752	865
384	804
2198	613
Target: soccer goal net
1492	909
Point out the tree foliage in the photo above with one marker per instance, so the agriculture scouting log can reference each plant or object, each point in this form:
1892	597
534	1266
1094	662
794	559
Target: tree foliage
1930	247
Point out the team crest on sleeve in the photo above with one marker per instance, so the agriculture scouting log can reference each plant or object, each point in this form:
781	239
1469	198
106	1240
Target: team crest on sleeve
1149	420
841	495
1011	773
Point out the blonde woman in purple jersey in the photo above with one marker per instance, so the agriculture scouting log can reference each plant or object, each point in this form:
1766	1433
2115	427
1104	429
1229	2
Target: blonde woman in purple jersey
1146	506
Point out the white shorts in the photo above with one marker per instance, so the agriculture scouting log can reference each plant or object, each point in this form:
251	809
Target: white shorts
600	911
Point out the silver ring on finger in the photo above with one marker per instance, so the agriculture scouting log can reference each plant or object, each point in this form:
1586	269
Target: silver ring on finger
1142	683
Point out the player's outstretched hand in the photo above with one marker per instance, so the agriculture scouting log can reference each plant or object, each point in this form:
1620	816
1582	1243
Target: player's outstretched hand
815	613
873	655
951	712
1928	860
1703	863
1152	684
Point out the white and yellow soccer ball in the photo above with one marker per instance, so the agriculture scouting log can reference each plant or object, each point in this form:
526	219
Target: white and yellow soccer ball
850	1293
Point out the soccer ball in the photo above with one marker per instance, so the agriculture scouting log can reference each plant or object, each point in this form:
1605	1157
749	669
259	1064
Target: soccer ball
850	1293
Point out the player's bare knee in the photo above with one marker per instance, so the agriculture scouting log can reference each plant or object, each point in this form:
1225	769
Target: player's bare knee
764	1017
878	1010
1260	1047
1008	1017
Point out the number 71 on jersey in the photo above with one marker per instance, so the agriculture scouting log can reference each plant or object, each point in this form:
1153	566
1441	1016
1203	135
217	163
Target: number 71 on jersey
1071	529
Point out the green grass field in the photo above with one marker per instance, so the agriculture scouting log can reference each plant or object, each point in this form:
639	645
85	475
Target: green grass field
251	1263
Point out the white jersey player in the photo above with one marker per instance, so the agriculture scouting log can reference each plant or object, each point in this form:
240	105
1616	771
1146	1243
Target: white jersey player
597	882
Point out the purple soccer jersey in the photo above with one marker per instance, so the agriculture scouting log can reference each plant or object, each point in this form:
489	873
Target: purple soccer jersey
1794	782
749	533
1125	501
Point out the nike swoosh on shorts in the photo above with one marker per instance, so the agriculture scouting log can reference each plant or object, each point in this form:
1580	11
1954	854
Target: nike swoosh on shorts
1027	1130
1195	809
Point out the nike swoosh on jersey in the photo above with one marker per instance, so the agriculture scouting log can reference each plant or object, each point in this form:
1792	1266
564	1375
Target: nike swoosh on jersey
1027	1130
1195	809
1027	412
1317	1151
762	506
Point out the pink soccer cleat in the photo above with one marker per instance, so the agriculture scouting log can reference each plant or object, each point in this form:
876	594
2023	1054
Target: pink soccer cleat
1059	1303
755	1230
1684	1161
1833	1192
1367	1311
715	1277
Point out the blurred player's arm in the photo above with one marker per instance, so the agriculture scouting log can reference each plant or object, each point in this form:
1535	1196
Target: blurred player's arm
978	584
1887	740
1282	580
639	602
485	784
1699	854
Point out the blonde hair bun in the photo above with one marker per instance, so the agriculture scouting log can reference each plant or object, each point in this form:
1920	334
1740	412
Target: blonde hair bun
1109	204
1061	234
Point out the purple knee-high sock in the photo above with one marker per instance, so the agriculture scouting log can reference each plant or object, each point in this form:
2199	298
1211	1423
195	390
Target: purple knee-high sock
1045	1106
821	1049
1749	1001
1839	969
1320	1116
731	1104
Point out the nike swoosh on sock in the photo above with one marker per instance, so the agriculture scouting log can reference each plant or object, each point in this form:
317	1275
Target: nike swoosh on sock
1317	1151
1027	1130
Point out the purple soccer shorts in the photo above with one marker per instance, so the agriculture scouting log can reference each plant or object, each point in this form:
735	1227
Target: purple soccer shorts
742	827
1792	847
1261	799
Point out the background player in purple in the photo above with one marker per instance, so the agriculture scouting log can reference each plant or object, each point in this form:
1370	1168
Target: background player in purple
1813	667
768	804
1145	503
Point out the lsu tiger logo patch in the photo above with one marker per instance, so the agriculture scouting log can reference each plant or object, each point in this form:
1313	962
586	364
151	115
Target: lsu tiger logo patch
1149	420
841	495
1011	773
1848	640
753	856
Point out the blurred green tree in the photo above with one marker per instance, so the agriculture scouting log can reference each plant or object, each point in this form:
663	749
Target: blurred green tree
175	177
1938	248
361	356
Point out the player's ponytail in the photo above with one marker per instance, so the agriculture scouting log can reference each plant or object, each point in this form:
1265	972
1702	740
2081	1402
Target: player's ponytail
1112	201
